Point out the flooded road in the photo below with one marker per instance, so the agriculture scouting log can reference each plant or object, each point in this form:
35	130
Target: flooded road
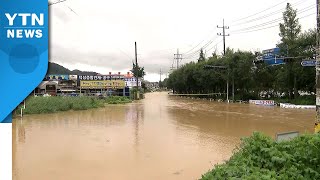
160	137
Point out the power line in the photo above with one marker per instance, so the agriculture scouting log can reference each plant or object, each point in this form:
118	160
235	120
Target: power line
270	26
61	1
254	28
126	54
187	52
214	45
240	23
266	15
272	21
197	52
191	55
235	21
72	10
260	11
210	41
57	2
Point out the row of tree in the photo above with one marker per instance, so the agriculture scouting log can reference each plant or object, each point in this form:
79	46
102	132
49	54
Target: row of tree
248	79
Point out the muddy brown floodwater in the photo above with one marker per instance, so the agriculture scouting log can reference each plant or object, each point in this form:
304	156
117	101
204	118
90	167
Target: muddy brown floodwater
160	138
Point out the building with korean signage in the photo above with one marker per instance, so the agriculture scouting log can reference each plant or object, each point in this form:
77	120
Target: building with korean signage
131	81
102	84
116	84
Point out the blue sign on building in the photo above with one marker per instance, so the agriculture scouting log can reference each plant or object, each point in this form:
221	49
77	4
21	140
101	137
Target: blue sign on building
272	56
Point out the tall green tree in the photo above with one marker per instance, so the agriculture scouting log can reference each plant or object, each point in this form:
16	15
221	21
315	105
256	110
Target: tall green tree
307	50
290	28
137	71
289	33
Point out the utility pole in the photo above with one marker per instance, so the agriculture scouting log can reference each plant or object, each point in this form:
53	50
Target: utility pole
227	89
136	71
136	56
178	58
160	85
224	36
317	122
233	88
224	53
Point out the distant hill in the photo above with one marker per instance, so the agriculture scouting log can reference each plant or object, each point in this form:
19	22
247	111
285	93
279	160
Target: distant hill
55	68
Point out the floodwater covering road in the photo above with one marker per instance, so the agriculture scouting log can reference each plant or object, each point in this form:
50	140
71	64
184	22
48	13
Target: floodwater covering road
160	137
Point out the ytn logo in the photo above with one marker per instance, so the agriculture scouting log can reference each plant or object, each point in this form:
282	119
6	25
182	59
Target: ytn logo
24	25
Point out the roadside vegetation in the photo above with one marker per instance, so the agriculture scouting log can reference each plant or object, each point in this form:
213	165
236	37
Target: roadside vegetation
40	105
260	157
285	82
301	100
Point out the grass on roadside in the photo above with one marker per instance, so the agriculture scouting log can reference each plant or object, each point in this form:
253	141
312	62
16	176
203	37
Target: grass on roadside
40	105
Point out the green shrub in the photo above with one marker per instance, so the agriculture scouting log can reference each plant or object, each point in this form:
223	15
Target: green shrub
259	157
301	100
39	105
117	100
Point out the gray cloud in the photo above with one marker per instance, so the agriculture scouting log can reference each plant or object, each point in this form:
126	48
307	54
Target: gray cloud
103	31
114	60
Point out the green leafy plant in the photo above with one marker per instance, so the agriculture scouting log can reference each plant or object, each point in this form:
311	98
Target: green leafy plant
260	157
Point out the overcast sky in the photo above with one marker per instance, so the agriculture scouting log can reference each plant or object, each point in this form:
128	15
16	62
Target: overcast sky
99	35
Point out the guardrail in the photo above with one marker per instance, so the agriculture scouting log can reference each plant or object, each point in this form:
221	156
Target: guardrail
210	94
293	106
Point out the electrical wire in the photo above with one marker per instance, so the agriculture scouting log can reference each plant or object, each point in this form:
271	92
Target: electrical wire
254	28
198	51
271	26
57	2
260	11
248	21
273	21
214	45
267	15
203	47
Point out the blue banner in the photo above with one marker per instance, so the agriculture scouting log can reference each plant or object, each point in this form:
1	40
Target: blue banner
23	51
